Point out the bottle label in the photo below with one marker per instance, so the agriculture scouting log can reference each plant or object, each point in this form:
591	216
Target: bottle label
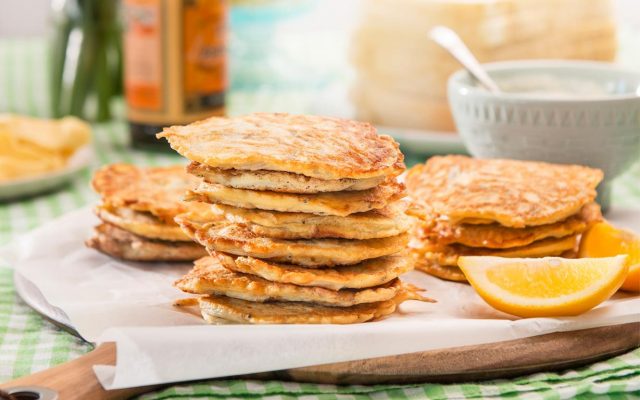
143	64
204	59
175	60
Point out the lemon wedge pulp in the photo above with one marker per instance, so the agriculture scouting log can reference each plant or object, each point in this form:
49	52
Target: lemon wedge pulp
605	240
544	287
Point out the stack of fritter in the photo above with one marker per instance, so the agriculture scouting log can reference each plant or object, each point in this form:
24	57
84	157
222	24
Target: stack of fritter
137	210
501	208
313	230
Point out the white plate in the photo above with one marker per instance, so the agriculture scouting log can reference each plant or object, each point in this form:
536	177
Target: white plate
32	185
425	142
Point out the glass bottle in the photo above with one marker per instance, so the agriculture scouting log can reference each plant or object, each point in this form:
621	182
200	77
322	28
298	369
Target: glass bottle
174	64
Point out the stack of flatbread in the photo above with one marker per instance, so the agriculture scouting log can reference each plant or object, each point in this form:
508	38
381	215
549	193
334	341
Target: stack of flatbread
137	212
313	231
401	75
503	208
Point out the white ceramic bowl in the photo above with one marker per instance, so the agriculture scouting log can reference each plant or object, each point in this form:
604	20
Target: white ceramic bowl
600	130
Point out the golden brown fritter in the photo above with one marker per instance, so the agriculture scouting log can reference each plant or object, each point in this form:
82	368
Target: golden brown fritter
278	181
119	243
496	236
158	190
366	274
141	223
512	193
317	253
384	222
209	277
448	255
222	309
446	272
319	147
329	203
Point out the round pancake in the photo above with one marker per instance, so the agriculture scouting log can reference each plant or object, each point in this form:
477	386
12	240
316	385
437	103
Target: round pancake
319	147
330	203
388	221
238	240
448	255
495	236
446	272
278	181
222	309
209	277
366	274
158	190
141	223
512	193
119	243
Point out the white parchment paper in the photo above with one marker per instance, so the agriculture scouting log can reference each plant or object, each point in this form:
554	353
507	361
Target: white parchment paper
130	303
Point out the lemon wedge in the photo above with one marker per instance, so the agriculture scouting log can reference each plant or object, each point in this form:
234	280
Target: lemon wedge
605	240
544	287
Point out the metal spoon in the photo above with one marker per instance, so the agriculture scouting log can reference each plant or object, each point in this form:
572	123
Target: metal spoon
450	41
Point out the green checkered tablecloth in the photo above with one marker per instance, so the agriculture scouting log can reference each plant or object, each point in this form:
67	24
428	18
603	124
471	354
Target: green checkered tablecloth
28	343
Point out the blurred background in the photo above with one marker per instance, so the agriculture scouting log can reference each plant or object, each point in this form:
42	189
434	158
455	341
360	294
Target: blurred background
369	59
130	67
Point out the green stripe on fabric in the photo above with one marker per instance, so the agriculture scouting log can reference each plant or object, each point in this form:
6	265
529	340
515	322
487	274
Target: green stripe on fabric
507	387
326	396
30	335
54	205
471	391
613	396
27	346
635	190
9	69
618	363
238	387
309	387
5	224
617	386
435	391
395	394
31	213
124	155
202	388
77	194
152	159
274	387
60	354
6	301
29	60
99	132
45	111
359	396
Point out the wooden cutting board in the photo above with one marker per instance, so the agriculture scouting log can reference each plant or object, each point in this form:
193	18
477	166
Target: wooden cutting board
555	351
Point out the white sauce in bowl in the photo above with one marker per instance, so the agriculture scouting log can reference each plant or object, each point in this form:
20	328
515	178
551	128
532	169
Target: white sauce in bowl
552	86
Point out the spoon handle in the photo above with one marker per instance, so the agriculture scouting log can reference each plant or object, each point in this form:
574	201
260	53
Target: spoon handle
450	41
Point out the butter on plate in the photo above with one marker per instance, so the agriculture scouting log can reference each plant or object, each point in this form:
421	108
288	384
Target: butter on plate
33	146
